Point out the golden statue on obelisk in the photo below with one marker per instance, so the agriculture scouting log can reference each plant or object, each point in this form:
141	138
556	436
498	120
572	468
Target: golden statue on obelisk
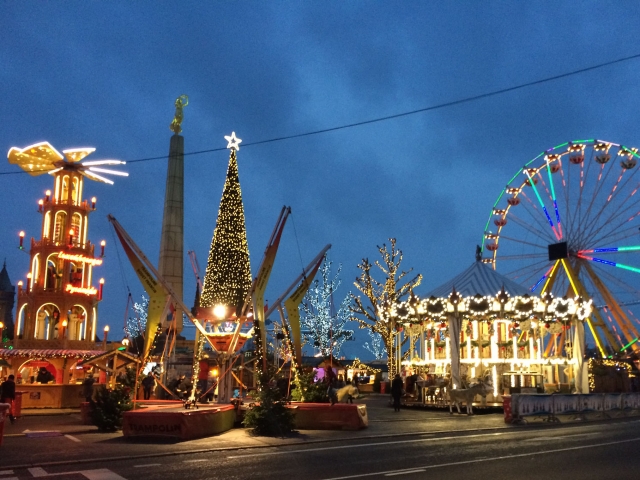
181	102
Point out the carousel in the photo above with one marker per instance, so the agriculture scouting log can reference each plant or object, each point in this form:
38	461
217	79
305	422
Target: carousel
481	326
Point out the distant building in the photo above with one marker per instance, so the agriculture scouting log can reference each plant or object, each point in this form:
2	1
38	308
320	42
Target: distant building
7	299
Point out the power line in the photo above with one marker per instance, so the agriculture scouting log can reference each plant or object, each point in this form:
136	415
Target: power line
399	115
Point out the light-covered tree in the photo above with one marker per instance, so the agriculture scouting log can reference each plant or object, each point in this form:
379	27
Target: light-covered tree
376	347
323	324
380	296
137	323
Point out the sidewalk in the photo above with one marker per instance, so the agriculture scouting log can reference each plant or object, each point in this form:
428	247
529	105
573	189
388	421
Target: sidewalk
33	420
76	443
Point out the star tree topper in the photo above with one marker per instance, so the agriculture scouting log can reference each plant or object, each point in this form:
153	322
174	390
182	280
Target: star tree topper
234	142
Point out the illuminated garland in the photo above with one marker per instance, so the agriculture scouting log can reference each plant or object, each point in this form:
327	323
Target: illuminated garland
40	355
488	308
358	365
478	306
604	362
435	308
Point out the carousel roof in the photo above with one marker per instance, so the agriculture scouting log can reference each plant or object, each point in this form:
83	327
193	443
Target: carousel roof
47	353
479	279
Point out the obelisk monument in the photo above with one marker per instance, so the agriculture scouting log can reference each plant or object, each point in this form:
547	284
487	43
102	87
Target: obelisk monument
171	262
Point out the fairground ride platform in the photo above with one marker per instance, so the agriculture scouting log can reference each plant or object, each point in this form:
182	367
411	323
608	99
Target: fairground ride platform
174	421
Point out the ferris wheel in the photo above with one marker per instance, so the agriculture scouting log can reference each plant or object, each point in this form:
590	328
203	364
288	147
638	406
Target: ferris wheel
568	224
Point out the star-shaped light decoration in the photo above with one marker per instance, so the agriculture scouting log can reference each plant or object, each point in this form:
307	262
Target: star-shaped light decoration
234	142
44	158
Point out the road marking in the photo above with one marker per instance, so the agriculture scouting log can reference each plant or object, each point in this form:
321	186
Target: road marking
6	472
71	437
482	460
405	473
99	474
195	460
395	442
147	465
538	439
37	472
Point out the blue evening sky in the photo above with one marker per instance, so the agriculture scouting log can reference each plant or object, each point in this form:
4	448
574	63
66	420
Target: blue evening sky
106	74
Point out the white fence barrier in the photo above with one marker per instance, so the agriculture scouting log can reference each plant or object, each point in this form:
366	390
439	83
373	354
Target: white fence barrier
524	405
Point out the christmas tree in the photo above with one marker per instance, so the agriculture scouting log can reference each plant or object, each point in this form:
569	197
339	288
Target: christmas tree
228	276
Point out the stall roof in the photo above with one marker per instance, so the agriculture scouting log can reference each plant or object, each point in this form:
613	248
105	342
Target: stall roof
104	356
47	353
479	279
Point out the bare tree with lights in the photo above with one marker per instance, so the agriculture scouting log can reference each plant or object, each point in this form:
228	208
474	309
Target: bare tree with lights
136	325
380	297
324	325
376	347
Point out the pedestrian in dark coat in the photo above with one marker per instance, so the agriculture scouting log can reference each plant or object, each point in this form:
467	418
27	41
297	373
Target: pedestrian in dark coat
87	387
396	392
8	394
148	383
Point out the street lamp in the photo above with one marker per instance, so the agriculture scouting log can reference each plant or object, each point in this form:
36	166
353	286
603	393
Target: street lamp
64	328
106	333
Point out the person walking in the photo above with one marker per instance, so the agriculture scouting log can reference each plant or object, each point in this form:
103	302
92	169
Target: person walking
148	384
396	392
8	395
87	387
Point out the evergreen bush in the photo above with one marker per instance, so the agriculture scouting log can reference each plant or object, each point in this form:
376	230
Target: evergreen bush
108	407
308	390
269	416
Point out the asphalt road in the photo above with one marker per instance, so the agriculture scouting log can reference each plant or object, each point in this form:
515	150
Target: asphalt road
599	451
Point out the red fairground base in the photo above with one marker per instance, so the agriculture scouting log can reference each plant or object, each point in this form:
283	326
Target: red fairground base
176	422
324	416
